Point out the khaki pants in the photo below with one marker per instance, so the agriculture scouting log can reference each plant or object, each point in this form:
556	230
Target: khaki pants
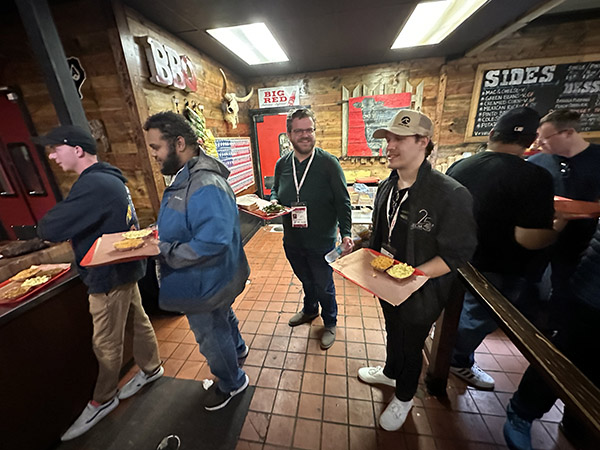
109	314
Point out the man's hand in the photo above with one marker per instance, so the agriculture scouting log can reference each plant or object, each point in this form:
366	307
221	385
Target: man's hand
347	246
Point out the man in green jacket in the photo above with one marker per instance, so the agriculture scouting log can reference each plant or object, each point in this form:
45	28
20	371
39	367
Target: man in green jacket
312	182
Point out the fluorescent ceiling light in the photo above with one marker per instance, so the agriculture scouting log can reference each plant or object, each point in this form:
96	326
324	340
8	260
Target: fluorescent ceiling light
432	21
253	43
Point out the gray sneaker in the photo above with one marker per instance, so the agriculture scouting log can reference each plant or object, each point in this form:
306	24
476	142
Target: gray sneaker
299	318
328	337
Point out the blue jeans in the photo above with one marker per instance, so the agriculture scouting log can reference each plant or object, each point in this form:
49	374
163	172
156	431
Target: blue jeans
220	342
476	322
317	281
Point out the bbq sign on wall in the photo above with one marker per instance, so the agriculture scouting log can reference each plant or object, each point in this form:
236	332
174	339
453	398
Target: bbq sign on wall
169	68
278	96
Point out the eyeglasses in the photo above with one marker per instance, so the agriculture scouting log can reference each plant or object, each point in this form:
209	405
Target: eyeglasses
543	139
303	131
564	168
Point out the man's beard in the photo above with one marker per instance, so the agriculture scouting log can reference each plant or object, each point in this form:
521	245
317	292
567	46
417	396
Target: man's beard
303	151
172	164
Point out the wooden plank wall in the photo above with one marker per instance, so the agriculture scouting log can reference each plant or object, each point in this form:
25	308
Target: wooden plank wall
89	29
448	86
82	26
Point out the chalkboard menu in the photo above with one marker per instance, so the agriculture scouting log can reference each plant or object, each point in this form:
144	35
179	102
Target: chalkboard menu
542	85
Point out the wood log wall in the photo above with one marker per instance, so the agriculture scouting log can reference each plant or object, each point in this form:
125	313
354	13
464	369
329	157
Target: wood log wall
448	86
118	98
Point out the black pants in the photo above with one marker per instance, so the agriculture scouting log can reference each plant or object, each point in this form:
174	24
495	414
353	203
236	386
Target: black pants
581	344
406	334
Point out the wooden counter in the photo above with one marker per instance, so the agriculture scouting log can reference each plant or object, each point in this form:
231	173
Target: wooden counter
48	366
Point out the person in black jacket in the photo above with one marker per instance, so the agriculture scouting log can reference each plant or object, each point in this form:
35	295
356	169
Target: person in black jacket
534	397
425	219
99	203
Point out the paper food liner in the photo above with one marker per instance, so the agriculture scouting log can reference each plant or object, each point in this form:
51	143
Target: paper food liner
356	267
103	252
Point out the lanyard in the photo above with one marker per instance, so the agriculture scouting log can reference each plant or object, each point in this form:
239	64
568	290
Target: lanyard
299	186
392	223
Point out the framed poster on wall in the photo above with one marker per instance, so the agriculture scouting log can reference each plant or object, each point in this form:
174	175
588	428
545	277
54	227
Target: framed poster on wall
542	84
236	154
368	113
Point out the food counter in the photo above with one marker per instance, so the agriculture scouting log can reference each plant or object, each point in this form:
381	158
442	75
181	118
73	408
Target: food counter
48	366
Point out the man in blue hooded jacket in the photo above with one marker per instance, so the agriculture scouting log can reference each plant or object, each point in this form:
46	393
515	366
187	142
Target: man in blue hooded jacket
99	203
203	267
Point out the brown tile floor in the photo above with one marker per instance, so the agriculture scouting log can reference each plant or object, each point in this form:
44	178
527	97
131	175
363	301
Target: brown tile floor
307	398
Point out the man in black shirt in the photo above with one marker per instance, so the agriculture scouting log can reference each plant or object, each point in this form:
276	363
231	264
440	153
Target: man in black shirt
513	208
574	165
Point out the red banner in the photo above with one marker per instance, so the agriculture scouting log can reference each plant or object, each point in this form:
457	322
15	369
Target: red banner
368	113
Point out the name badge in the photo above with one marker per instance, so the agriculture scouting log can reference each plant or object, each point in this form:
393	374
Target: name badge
299	215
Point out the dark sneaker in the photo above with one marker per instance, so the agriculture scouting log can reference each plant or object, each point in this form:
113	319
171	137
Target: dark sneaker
299	318
474	376
244	353
517	431
217	399
328	337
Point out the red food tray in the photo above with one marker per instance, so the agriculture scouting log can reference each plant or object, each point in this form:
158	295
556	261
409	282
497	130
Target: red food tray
263	215
356	267
3	286
579	207
102	252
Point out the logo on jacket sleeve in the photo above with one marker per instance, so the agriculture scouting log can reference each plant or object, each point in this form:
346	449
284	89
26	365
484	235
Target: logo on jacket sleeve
424	223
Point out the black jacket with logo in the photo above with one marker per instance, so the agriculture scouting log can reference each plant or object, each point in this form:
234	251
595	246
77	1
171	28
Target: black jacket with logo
440	223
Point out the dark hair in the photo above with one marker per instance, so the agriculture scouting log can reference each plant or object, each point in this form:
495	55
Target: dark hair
430	144
300	113
562	119
171	126
522	140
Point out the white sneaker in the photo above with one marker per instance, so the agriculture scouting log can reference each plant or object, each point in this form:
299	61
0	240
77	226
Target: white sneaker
139	381
474	376
394	416
90	416
375	375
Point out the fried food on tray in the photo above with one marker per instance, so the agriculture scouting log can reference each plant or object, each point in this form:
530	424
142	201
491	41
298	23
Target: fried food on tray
15	292
27	273
50	272
35	281
137	234
381	263
128	244
400	271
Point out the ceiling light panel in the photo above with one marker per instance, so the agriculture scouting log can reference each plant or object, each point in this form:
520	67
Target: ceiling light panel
432	21
253	43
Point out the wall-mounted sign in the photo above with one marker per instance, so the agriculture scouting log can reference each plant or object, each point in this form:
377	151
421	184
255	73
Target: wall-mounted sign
77	73
168	68
368	113
279	96
544	85
236	154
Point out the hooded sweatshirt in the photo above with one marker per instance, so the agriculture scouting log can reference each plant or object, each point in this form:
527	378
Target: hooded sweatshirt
98	203
202	261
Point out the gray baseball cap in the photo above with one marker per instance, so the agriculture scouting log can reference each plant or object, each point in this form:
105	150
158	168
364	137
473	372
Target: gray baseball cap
407	122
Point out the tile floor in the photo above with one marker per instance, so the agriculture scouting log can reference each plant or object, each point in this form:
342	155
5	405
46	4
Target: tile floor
307	398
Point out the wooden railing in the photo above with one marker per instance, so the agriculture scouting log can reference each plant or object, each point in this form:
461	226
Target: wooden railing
571	386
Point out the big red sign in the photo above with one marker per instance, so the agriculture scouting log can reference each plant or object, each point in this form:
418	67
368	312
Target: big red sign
168	68
279	96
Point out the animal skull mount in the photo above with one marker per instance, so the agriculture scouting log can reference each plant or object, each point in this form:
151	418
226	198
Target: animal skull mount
230	103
